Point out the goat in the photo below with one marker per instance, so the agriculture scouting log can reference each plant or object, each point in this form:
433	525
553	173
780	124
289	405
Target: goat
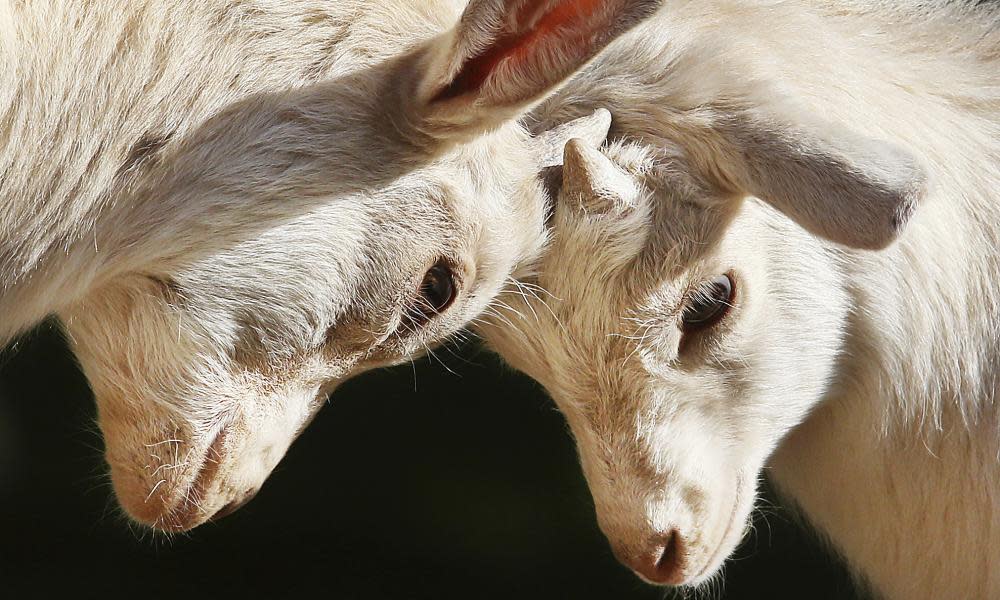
696	332
232	206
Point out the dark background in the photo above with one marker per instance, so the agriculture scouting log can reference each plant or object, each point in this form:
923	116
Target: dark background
414	482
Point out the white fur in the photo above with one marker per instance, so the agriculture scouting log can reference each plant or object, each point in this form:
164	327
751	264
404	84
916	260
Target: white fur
864	382
231	205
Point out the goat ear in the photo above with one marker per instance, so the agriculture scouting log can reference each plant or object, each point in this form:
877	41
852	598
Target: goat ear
505	55
846	188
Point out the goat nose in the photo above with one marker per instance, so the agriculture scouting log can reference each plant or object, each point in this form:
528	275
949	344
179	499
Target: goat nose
663	563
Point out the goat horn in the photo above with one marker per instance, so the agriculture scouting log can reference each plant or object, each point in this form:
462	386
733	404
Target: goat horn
593	182
593	128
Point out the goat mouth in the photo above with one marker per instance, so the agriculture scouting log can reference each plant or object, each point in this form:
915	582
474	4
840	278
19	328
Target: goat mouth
720	548
188	512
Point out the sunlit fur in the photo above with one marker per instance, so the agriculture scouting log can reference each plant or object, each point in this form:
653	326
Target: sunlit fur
863	383
230	204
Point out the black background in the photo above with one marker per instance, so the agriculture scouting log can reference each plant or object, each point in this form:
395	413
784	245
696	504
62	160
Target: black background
413	482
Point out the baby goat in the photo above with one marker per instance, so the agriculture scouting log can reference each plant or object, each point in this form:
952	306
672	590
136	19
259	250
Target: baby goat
696	324
232	206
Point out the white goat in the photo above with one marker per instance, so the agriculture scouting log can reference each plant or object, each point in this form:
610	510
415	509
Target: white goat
232	205
694	336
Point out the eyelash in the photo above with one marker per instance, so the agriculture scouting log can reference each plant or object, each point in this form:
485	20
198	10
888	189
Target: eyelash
708	303
435	295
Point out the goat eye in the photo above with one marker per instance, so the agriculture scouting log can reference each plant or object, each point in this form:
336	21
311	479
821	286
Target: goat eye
709	303
435	295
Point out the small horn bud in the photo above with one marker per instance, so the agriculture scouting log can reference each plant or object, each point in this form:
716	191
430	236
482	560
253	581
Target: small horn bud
592	182
593	129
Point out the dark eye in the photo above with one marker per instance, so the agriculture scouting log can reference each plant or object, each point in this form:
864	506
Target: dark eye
708	303
435	295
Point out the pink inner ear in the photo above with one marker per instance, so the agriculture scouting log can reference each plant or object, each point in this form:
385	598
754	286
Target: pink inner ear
520	47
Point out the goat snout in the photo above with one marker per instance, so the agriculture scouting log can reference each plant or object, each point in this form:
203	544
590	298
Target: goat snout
661	561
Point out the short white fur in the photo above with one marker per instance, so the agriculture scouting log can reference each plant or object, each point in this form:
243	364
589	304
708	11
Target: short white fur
864	383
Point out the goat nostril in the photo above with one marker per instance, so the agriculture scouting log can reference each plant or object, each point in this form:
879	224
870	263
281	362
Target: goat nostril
663	563
669	564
